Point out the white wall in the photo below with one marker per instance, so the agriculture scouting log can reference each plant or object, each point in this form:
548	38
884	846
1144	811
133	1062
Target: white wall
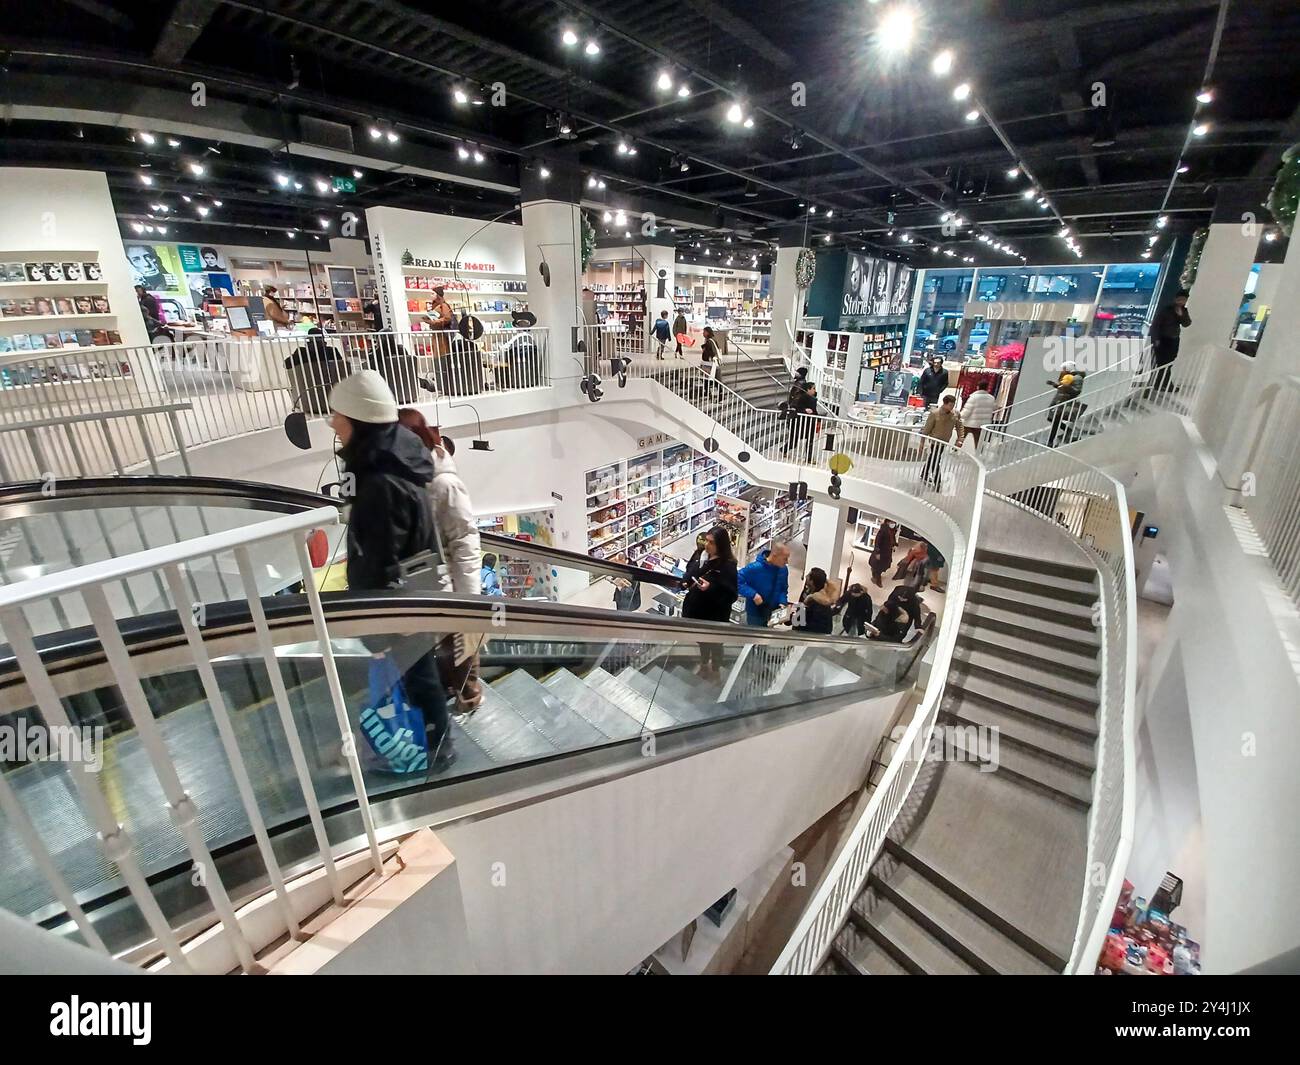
59	211
595	880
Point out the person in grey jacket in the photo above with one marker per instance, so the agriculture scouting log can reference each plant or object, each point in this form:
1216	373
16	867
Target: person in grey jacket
460	549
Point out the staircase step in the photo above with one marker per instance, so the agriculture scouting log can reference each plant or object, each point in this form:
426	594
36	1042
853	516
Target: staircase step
629	700
1039	735
897	933
1059	659
502	732
591	706
1031	629
1044	585
1081	573
1045	774
962	930
990	690
1066	615
1035	682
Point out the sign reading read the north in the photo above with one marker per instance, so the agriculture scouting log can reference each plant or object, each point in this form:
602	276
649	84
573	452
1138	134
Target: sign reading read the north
344	184
445	264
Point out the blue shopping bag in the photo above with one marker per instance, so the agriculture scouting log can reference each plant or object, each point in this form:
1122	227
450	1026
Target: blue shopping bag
392	726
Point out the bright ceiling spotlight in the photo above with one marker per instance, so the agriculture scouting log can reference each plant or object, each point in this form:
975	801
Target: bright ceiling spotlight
1200	129
138	226
600	184
607	217
1184	169
282	180
322	185
324	223
290	234
358	174
216	203
203	211
297	185
683	91
145	179
592	48
749	122
622	147
545	173
462	152
172	142
392	136
942	63
735	113
827	238
1270	236
478	156
1013	173
1205	96
1162	221
376	133
1030	193
962	92
198	169
1152	239
972	116
1065	232
664	82
1146	254
945	216
148	138
569	37
620	219
949	251
186	199
830	213
162	230
460	96
896	29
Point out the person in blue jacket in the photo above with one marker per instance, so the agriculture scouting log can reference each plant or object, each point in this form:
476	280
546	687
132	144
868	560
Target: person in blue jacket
765	584
488	578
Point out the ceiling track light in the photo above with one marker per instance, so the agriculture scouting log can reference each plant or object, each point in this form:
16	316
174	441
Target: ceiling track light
591	48
962	91
1013	173
941	64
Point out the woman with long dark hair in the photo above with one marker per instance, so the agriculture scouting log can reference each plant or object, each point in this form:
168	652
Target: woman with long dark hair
712	593
819	601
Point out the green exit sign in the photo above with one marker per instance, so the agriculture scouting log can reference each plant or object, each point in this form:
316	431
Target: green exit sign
344	184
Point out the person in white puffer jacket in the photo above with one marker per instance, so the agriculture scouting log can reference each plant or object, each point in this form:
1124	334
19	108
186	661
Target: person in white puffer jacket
978	411
459	544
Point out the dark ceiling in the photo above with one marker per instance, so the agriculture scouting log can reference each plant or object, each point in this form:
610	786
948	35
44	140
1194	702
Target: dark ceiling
879	143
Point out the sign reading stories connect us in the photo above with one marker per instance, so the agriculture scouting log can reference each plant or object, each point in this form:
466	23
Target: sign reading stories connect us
875	288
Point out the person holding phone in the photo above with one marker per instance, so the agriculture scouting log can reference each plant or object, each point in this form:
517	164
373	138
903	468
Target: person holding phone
711	593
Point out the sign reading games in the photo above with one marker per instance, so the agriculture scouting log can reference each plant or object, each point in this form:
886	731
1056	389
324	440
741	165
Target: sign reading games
447	264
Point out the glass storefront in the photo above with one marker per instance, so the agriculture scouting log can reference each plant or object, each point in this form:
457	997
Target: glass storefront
1125	303
940	303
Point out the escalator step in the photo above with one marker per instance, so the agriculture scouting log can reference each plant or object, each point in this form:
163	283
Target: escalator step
548	713
671	693
592	706
629	700
499	729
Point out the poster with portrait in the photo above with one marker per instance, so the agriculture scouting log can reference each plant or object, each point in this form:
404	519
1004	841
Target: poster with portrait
882	287
158	268
902	297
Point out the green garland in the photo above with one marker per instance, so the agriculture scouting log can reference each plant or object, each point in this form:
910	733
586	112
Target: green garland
588	240
1285	197
805	267
1193	262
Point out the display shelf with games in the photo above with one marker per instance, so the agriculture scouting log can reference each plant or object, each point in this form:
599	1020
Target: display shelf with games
522	578
774	517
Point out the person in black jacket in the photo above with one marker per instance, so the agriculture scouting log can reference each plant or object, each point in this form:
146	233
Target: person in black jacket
856	604
712	594
387	473
802	412
1166	334
818	603
934	381
901	611
697	559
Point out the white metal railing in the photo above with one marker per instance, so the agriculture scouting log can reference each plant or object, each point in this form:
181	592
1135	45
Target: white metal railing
90	584
87	445
1270	492
1091	508
217	389
1127	392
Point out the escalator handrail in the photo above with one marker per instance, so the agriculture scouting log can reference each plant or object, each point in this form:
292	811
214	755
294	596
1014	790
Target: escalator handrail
78	649
188	491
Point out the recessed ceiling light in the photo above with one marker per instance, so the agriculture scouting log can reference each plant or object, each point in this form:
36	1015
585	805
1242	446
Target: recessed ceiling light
324	223
942	63
478	156
734	113
322	185
148	138
1205	96
145	179
962	91
607	217
282	180
203	211
1184	169
1029	193
664	81
460	96
896	29
358	174
297	186
462	152
1013	173
569	37
392	136
1200	129
683	91
172	142
216	203
972	116
592	48
375	133
289	233
545	173
198	169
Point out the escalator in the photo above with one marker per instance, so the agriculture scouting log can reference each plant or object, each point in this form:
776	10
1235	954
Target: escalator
570	692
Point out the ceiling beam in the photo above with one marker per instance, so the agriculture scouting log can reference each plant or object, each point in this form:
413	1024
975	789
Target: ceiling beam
746	34
181	28
103	11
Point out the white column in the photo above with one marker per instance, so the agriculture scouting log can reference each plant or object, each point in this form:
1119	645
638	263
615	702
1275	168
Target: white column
787	300
1279	355
826	533
553	234
658	259
1226	259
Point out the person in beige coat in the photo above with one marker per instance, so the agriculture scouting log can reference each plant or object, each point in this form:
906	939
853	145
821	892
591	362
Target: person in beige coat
940	424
